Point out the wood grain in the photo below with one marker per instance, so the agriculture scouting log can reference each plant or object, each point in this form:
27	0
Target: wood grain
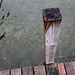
70	64
51	69
73	65
39	70
69	68
5	72
27	71
16	71
61	69
51	38
52	27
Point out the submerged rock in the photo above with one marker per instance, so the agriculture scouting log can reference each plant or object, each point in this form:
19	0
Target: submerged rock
19	34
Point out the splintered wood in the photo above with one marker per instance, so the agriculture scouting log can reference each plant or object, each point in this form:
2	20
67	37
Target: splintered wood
52	24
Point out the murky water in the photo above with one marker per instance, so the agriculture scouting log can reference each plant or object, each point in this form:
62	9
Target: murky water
23	43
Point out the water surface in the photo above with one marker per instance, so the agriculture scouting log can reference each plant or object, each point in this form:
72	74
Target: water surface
23	43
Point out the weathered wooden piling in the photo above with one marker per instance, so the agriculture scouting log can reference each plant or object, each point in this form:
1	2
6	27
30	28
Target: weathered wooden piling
52	24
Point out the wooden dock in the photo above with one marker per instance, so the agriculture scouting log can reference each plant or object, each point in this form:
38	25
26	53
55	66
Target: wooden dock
52	23
60	69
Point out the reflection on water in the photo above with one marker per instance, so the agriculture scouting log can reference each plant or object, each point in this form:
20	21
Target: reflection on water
23	43
1	3
3	16
2	35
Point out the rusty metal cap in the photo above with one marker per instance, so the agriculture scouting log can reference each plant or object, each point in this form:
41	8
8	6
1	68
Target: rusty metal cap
52	14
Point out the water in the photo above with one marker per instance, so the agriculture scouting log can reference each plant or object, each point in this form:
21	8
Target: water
23	43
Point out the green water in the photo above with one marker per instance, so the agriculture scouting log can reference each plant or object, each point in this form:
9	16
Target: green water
23	43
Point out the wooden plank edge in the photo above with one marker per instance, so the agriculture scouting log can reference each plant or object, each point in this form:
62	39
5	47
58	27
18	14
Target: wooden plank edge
71	68
61	69
27	70
16	71
5	72
73	65
39	70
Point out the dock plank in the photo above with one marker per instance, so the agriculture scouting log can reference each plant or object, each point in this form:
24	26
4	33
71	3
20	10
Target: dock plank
16	71
39	70
5	72
69	68
73	65
51	69
27	71
61	69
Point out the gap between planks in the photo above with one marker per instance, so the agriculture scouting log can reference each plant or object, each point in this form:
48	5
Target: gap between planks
63	68
67	68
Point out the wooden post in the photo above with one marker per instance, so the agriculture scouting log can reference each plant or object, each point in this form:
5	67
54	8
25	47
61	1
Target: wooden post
52	24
